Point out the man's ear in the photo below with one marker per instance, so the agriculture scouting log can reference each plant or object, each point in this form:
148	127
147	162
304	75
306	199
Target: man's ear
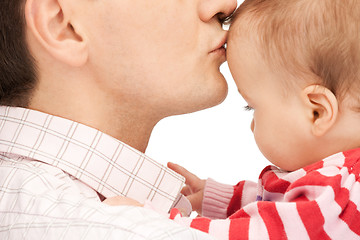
322	108
50	23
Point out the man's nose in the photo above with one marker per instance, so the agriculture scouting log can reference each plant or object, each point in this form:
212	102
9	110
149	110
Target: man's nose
209	9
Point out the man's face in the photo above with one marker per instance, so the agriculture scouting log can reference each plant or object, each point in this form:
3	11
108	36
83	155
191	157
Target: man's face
159	53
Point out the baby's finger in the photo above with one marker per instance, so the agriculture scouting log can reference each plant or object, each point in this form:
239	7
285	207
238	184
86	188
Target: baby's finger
190	178
186	191
196	201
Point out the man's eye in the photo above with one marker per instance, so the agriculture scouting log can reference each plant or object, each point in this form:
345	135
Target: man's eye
248	108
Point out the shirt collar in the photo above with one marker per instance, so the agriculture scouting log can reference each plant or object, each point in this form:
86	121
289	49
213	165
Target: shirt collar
104	163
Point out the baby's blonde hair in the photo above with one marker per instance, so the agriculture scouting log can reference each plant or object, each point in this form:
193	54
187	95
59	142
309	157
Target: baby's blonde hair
316	39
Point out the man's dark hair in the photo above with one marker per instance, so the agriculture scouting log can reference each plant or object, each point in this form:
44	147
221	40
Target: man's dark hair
17	67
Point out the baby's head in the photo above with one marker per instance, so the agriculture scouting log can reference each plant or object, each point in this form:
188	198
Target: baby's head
297	64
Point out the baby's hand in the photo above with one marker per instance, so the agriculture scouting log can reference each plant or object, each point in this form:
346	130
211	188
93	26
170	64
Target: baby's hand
121	200
194	189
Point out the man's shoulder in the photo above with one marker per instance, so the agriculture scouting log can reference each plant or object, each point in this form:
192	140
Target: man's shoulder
24	173
40	201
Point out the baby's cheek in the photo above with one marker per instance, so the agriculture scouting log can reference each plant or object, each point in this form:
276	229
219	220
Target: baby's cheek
266	144
252	125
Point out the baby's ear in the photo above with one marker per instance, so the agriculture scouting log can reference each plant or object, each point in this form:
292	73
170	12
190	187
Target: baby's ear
321	108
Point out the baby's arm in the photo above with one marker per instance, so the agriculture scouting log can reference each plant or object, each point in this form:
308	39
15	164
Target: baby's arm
212	199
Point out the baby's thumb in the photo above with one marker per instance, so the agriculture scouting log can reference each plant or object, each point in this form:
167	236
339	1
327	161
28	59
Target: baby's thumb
196	201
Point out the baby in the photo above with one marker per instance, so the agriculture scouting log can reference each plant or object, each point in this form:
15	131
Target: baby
296	63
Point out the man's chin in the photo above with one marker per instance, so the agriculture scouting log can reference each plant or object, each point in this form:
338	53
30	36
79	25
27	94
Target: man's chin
219	91
217	98
209	99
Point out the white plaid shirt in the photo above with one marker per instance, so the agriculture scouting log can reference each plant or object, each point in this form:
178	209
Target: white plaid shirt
51	170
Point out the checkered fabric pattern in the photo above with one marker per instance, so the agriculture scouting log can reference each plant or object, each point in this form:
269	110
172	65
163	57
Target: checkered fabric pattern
107	165
49	169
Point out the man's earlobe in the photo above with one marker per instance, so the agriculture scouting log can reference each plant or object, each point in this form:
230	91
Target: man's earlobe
321	107
49	22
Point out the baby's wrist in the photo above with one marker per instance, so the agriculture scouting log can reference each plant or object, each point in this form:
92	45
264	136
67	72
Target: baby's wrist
216	199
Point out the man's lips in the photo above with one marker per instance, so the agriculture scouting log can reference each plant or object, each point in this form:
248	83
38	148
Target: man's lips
220	44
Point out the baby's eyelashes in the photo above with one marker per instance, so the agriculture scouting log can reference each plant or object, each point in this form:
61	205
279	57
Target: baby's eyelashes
248	108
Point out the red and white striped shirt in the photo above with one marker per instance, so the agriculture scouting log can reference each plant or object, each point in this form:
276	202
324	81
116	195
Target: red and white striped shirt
320	201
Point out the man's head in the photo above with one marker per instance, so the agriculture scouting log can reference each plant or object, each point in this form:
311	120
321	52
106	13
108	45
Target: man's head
145	51
115	63
296	64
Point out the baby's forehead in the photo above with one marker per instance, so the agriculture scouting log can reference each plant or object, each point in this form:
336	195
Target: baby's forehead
244	28
243	35
254	26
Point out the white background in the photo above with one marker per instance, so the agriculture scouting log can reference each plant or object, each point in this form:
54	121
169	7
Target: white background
215	142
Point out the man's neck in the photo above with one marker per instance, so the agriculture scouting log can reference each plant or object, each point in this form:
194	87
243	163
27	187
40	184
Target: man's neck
127	123
133	131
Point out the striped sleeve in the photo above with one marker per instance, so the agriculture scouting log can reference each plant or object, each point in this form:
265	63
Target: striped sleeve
251	222
222	200
265	220
319	202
